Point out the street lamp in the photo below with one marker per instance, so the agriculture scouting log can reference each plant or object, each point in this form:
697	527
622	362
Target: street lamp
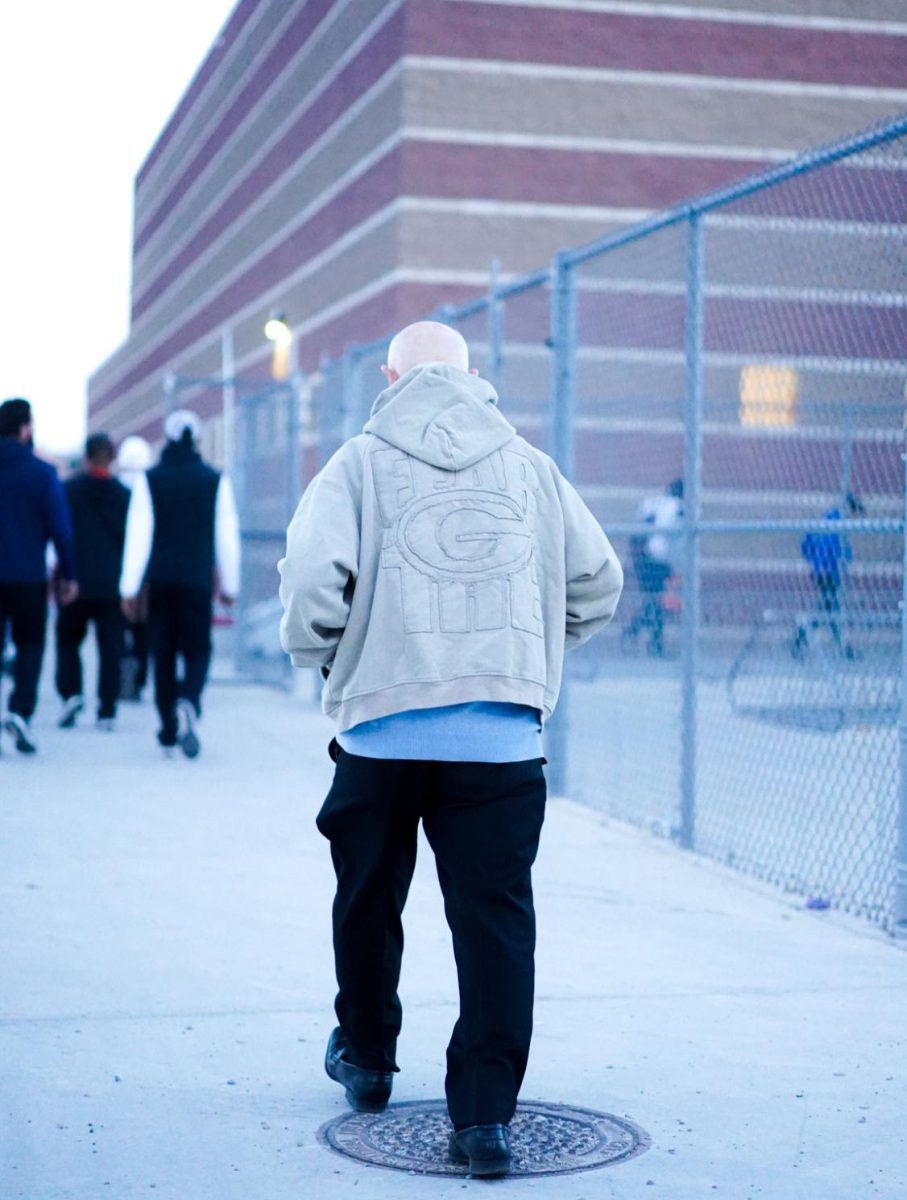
278	331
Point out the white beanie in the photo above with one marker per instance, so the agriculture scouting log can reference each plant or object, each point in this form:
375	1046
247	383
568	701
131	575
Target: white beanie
176	424
134	455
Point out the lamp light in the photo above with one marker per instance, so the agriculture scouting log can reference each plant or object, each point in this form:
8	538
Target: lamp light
277	330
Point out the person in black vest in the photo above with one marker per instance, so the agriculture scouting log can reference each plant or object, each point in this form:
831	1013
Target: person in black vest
33	512
182	523
98	505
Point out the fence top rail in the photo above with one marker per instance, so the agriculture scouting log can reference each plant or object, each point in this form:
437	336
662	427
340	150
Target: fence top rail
779	525
811	160
876	135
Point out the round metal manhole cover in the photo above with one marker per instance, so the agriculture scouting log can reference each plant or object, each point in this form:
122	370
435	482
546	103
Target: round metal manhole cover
547	1139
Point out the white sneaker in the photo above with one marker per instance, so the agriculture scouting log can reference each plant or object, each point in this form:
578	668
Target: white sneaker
71	709
18	729
106	724
186	737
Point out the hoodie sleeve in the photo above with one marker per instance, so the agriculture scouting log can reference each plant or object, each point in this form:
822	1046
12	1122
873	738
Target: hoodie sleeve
594	575
139	538
318	574
226	538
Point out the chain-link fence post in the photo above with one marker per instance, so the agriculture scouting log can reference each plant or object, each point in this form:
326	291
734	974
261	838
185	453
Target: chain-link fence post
294	446
241	479
899	923
561	443
692	505
349	391
495	327
228	398
170	390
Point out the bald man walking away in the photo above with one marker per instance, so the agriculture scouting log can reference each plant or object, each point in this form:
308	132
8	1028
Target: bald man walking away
435	571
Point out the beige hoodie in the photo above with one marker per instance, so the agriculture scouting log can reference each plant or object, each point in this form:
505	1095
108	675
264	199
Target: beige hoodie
438	558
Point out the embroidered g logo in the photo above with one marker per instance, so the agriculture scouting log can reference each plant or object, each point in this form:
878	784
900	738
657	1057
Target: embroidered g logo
465	535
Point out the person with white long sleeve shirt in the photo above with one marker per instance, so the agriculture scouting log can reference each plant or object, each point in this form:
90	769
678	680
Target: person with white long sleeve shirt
181	528
134	457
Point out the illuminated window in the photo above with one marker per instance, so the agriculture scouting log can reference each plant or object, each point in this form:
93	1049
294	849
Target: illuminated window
768	396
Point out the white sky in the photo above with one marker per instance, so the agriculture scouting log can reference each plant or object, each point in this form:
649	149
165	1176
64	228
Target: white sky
85	88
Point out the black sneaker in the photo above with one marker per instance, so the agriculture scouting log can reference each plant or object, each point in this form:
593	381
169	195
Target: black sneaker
18	728
366	1091
186	737
484	1149
71	709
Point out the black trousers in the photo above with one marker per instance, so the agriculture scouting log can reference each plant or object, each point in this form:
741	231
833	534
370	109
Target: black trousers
23	606
179	621
483	822
136	636
72	626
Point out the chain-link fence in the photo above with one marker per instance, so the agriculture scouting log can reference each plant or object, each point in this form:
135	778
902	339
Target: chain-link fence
725	386
252	428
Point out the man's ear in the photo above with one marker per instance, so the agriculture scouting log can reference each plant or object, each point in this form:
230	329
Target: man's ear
473	370
389	373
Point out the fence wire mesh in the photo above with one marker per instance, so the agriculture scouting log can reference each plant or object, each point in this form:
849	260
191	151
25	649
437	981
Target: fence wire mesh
725	386
267	485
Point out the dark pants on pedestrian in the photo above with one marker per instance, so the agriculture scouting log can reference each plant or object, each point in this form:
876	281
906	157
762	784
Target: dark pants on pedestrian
180	625
137	650
24	607
72	626
483	822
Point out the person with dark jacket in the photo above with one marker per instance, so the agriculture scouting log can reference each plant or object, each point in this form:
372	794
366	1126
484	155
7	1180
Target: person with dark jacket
182	523
33	512
98	505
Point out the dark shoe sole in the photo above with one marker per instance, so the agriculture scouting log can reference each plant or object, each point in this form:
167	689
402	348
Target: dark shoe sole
374	1092
190	745
361	1104
187	739
487	1168
69	721
23	743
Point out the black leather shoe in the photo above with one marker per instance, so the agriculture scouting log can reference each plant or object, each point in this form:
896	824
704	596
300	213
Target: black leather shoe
366	1091
484	1148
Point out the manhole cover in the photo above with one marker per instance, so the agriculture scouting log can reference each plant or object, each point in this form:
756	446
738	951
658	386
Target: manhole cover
547	1139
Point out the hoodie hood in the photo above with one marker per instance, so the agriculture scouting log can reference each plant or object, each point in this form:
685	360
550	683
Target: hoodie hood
442	416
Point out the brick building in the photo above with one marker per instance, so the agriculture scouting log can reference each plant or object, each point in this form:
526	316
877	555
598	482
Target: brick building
355	163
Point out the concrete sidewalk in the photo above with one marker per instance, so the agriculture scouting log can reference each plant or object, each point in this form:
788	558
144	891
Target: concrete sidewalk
167	982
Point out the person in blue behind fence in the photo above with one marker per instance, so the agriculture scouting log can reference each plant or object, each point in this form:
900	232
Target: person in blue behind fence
828	554
654	556
436	570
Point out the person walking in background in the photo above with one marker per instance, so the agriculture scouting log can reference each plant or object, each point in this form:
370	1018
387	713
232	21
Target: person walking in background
827	555
436	569
98	505
181	524
653	555
133	460
33	512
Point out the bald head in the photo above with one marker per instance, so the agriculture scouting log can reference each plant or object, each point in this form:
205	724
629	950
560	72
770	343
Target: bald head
425	342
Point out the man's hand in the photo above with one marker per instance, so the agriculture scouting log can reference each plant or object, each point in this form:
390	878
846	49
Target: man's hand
67	591
130	608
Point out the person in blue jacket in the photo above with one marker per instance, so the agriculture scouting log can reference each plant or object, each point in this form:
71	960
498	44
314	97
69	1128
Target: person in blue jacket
33	512
827	555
